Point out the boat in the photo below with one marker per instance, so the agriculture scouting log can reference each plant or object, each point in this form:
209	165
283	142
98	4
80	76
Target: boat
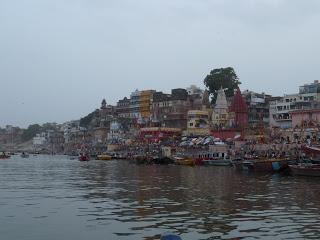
184	161
170	236
217	162
4	156
104	157
83	157
262	165
142	159
24	155
305	169
162	160
313	150
216	156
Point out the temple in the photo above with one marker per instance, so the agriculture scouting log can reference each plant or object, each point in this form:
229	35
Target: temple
239	111
220	113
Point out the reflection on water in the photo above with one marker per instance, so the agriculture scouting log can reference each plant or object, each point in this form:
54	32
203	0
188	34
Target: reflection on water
46	197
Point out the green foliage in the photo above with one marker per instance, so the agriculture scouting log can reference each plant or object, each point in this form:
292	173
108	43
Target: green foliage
31	132
222	77
85	121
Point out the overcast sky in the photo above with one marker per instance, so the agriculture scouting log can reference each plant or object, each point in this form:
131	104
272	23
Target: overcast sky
59	58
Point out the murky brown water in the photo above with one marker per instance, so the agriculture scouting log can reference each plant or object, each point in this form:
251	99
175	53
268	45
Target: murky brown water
47	197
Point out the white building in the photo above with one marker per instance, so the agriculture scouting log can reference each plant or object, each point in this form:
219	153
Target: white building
40	139
307	98
116	133
220	110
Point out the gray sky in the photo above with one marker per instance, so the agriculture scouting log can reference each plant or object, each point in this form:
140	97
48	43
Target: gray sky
59	58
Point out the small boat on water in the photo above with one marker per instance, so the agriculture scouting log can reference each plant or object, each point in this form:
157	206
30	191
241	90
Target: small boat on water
315	150
4	156
104	157
306	169
217	162
83	157
185	161
24	155
262	165
170	236
162	160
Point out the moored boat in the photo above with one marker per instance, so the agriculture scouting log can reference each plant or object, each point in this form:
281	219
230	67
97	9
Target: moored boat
184	161
263	165
217	162
305	169
162	160
83	157
314	150
4	156
104	157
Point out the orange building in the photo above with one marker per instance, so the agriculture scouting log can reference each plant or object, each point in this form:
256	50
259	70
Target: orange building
145	103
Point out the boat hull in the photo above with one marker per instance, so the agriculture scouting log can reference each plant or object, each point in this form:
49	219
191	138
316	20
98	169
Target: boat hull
306	170
185	162
218	162
104	157
83	158
268	165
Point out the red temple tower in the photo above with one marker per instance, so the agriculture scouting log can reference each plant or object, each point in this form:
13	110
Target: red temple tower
240	110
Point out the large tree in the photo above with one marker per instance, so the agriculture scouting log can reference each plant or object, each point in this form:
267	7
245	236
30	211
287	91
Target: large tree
222	77
31	132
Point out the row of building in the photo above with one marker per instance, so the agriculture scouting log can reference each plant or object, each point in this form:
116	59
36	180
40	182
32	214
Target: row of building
154	115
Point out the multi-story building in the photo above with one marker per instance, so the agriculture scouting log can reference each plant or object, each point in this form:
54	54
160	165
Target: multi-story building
170	110
179	106
116	133
145	104
123	108
198	123
161	106
258	107
10	135
307	98
135	105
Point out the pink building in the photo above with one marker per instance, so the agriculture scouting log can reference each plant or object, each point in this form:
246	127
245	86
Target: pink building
309	117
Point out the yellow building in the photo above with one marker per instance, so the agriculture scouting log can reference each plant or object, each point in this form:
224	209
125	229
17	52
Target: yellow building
145	100
198	123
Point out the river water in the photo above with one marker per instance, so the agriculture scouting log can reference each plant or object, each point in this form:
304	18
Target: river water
53	197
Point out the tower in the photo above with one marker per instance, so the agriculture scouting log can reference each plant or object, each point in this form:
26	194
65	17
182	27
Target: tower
220	110
240	110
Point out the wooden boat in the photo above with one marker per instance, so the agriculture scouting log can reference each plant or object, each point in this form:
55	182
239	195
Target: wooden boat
104	157
263	165
184	161
142	159
162	160
311	149
4	156
305	169
83	157
217	162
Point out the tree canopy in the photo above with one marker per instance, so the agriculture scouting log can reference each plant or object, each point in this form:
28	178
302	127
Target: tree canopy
30	132
221	77
85	121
